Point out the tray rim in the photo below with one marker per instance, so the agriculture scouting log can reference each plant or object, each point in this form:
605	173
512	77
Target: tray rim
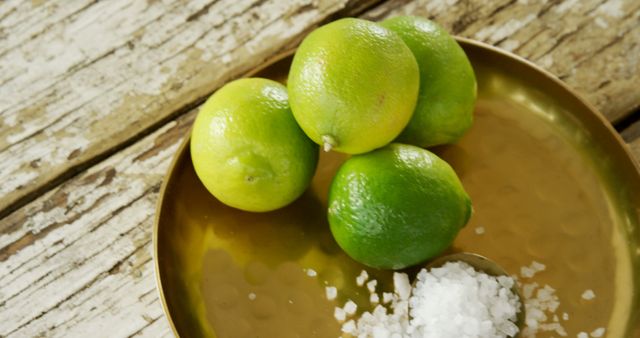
180	152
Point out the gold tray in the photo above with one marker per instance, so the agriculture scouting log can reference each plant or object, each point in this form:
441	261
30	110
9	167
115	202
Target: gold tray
550	181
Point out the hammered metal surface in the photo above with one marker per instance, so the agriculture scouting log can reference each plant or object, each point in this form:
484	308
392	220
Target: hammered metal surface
549	182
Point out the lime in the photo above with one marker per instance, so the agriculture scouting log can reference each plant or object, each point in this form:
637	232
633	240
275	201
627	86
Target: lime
248	150
353	85
396	206
444	111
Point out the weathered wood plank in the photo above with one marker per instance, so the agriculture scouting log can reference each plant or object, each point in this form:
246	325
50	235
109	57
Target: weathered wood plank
77	262
42	16
82	264
592	45
97	76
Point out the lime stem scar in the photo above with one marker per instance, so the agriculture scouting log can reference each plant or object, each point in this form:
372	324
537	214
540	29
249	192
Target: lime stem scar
328	142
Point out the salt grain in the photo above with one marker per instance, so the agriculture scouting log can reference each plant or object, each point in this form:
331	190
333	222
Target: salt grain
311	273
583	335
599	332
479	230
387	297
528	289
349	327
371	286
532	270
339	314
588	295
252	296
350	307
374	298
362	278
331	292
402	285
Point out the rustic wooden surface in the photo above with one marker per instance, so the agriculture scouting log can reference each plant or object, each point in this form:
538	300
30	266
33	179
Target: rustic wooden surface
96	96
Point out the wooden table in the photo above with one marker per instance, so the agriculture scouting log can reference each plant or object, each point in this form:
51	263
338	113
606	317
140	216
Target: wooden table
96	96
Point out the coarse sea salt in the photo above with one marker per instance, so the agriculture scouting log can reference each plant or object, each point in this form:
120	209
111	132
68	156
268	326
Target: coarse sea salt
447	302
362	278
588	295
391	315
458	301
597	333
532	270
331	292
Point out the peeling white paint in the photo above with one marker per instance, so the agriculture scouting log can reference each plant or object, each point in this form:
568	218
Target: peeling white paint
439	6
546	61
602	23
612	8
86	110
498	32
510	45
17	180
68	273
568	5
11	120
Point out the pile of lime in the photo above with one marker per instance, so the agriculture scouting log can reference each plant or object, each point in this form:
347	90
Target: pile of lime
381	92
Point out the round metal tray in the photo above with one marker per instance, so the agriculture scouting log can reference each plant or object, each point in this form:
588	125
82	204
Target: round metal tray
550	181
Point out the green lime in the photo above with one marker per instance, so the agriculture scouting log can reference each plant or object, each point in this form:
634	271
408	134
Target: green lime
248	150
353	85
396	206
444	111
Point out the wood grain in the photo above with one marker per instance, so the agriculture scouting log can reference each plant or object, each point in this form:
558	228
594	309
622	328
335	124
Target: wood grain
80	81
76	260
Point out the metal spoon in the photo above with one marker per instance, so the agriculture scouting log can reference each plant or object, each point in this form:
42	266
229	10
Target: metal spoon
482	264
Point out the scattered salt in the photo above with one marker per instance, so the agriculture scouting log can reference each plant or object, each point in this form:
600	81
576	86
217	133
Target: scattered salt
553	327
362	278
331	292
371	285
349	327
311	273
339	314
538	266
252	296
447	302
350	307
479	230
531	270
538	303
404	314
528	289
588	295
599	332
